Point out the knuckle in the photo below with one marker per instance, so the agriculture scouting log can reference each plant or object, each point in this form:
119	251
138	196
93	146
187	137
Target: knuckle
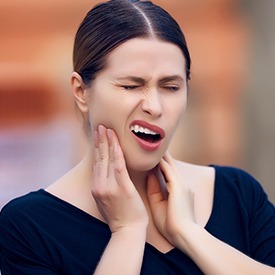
103	194
96	192
100	161
119	169
102	158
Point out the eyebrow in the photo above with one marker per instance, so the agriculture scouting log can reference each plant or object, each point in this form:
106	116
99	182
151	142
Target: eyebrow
171	78
135	79
142	81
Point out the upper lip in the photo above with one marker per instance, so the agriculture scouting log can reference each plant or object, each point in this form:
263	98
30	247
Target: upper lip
151	127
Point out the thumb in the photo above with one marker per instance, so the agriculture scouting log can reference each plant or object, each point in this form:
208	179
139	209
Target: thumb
154	193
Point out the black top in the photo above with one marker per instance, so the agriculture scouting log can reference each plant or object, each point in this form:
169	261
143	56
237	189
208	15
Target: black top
42	234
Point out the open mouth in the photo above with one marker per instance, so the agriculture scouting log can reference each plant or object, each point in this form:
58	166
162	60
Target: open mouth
148	137
145	134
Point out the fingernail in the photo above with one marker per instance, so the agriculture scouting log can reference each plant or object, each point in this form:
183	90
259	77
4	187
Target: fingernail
109	133
116	149
101	130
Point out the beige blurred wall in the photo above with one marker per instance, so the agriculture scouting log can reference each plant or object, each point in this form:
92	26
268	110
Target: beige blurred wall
259	111
229	120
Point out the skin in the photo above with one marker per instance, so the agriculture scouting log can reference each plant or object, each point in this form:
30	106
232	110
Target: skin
133	86
144	80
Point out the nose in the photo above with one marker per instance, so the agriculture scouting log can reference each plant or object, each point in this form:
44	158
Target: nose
152	103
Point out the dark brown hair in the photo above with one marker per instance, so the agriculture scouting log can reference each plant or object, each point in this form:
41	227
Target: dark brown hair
112	23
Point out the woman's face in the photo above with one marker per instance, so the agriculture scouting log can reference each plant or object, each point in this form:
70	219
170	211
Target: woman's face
141	94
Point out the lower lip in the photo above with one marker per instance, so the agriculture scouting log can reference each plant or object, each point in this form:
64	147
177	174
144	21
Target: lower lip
148	146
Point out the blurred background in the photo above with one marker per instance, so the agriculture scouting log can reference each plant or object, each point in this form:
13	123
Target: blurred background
230	119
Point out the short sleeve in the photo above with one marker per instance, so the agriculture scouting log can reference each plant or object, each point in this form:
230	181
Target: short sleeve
244	217
262	228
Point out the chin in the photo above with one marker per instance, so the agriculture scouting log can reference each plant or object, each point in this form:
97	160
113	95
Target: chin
141	166
141	161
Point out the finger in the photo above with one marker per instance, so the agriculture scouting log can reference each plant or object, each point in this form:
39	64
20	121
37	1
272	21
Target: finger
112	151
98	180
96	155
117	166
162	181
154	193
120	170
169	174
165	167
175	183
103	153
168	158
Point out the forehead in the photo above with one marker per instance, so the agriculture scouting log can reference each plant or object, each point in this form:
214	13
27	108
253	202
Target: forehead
146	55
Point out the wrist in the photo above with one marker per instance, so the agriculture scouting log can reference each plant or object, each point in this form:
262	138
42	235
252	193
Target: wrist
136	229
187	234
131	237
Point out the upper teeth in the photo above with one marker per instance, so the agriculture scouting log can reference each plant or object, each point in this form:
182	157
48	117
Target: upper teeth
137	128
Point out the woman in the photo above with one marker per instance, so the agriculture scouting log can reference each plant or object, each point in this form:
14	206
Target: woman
128	207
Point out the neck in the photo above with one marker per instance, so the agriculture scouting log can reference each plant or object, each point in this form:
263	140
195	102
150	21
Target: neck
139	179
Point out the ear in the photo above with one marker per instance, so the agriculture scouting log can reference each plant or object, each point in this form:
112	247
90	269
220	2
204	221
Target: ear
79	92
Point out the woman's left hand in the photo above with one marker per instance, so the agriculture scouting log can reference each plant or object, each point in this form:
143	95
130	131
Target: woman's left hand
170	215
174	218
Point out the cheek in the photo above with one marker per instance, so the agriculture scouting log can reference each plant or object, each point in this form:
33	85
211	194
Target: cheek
105	111
176	110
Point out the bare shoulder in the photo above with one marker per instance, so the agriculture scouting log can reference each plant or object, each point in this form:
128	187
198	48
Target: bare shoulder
201	180
74	187
196	174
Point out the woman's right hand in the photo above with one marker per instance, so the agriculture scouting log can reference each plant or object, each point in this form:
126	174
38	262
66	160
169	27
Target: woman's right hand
115	194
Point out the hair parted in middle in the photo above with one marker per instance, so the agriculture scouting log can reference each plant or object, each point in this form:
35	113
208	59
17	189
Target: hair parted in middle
111	23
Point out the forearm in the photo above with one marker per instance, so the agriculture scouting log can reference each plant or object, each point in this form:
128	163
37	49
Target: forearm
216	257
123	254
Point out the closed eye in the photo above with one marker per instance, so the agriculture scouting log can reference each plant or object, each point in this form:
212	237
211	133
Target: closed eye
130	87
172	88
